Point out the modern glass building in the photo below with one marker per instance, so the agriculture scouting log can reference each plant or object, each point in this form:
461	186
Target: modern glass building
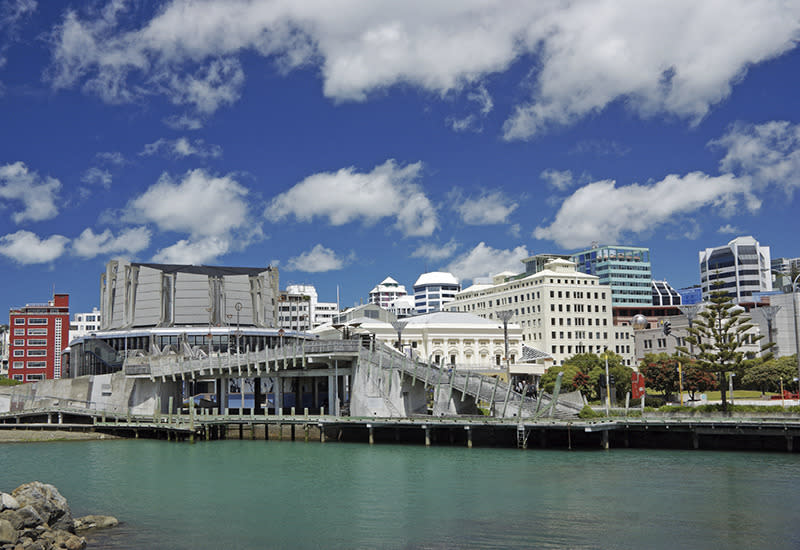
626	269
740	268
433	290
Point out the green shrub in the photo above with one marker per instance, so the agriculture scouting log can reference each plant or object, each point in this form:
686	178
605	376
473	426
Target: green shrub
589	412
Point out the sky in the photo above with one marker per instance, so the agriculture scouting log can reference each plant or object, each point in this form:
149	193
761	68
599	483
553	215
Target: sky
348	141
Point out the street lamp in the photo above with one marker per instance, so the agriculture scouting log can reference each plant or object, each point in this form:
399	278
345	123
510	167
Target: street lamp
691	312
399	326
506	316
769	313
730	387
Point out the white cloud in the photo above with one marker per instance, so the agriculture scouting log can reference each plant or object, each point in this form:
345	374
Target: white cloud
89	244
112	157
183	122
199	204
388	191
601	211
180	148
97	176
12	13
485	261
582	55
436	252
728	229
769	153
559	179
316	260
490	208
25	247
194	252
38	195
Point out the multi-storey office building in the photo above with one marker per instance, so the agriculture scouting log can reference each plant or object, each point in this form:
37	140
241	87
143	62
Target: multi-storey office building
740	268
784	270
560	310
386	292
84	323
434	290
626	269
300	308
664	294
38	334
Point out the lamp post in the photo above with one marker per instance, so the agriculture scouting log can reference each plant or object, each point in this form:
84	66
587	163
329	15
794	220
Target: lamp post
399	326
769	313
639	322
796	331
506	316
730	387
691	312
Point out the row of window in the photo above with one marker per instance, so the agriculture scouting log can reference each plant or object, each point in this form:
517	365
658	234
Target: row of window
29	364
31	320
31	332
31	353
28	377
31	342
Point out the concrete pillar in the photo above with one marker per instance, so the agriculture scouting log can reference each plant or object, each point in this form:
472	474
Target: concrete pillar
371	435
252	431
61	417
257	396
280	432
468	429
292	431
789	443
696	440
332	395
321	433
305	433
171	409
427	436
241	430
277	392
605	443
49	418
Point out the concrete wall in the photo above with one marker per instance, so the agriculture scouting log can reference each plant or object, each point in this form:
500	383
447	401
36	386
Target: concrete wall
373	395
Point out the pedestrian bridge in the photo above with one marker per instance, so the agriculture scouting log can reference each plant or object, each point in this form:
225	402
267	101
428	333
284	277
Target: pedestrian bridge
375	379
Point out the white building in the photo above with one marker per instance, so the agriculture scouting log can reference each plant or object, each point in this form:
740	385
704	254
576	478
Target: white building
84	323
386	292
434	290
742	266
403	307
561	311
299	308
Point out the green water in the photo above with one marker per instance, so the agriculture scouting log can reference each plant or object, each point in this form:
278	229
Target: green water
257	494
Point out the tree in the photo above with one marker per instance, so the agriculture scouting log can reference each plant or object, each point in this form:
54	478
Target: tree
766	376
696	380
582	372
660	373
716	338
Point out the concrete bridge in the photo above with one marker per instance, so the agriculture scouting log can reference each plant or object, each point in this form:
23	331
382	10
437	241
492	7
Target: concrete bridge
372	380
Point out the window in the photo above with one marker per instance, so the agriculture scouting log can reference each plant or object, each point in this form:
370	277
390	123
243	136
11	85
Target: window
36	364
37	321
37	342
19	353
19	377
37	352
19	364
19	332
19	342
19	321
32	377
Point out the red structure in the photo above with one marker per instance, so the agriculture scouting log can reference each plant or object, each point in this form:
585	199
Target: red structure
37	335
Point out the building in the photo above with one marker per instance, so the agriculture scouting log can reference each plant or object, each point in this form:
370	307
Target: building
39	333
782	322
536	263
740	268
664	294
386	292
626	269
403	307
784	270
691	295
84	323
300	308
432	291
560	310
165	295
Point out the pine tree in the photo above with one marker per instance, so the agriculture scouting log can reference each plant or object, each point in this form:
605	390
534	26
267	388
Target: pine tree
716	339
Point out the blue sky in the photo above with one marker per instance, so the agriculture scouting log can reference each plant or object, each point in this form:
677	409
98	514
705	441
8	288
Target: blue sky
348	141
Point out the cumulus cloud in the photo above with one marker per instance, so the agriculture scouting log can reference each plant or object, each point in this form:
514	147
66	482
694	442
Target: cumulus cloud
581	55
25	247
602	211
200	204
436	252
97	176
728	229
90	244
316	260
485	261
388	191
38	195
769	153
559	179
194	252
490	208
180	148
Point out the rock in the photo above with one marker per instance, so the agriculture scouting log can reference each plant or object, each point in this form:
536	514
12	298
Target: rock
95	522
7	502
29	516
8	534
48	503
13	517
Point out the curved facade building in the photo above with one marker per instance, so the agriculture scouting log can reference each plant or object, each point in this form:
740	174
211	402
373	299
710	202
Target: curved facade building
433	290
740	268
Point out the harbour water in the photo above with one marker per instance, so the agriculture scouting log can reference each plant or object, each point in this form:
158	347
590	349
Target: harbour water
257	494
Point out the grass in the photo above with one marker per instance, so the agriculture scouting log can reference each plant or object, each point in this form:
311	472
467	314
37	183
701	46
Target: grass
737	394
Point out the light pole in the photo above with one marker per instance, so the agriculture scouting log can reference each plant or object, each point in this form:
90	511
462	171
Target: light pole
796	331
399	326
769	313
730	387
506	316
639	322
691	312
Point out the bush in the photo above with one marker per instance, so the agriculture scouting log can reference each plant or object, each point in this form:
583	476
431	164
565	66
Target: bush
589	412
9	382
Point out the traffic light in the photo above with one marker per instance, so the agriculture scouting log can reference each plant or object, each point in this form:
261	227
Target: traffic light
667	328
610	379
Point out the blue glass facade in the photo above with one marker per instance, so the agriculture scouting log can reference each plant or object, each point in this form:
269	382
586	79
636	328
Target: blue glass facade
626	269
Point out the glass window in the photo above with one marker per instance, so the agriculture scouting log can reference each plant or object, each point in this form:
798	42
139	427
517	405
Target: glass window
19	321
37	321
37	352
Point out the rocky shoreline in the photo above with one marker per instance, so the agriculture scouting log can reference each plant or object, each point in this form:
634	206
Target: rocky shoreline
35	516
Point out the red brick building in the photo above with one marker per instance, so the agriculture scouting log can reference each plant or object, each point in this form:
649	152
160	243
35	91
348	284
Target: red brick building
37	335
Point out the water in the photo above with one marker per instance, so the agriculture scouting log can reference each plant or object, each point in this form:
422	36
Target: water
257	494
